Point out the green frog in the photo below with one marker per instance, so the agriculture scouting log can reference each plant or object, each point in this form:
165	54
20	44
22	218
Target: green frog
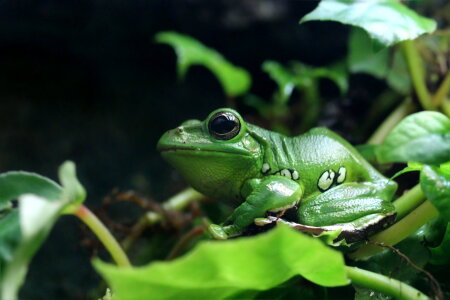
318	174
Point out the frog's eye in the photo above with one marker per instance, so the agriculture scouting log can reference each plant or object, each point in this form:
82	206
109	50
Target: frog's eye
224	125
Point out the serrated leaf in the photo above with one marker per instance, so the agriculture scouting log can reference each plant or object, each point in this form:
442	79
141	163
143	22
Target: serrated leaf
435	185
421	137
234	80
362	56
73	192
219	270
386	21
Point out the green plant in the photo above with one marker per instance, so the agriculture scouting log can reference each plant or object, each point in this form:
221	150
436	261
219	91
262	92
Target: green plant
282	263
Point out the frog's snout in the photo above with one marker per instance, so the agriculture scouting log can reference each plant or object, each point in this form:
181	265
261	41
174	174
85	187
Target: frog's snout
191	122
178	136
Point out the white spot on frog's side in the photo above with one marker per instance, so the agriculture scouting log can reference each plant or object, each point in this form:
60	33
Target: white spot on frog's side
286	173
342	172
326	180
295	175
265	168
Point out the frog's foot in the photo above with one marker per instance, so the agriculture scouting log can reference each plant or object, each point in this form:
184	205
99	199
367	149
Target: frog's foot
223	232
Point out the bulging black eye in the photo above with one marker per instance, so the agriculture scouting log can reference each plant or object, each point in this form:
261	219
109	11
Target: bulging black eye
224	125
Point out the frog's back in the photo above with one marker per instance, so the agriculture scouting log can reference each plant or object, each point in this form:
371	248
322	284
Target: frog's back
323	159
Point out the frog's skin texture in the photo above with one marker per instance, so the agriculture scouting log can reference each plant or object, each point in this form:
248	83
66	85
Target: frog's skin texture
265	172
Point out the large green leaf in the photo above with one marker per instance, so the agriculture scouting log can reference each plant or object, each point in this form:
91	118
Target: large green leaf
235	80
435	185
219	270
421	137
386	21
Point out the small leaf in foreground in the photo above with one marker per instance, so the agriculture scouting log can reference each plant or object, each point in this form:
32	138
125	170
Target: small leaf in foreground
234	80
421	137
219	270
24	229
435	185
386	21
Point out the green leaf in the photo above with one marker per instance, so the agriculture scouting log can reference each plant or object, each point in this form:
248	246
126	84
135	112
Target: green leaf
285	80
24	229
368	152
335	72
412	167
391	264
440	254
73	192
435	185
220	270
386	21
15	183
234	80
301	76
363	58
398	76
421	137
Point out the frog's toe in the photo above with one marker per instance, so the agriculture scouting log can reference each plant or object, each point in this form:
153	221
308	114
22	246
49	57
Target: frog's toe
217	232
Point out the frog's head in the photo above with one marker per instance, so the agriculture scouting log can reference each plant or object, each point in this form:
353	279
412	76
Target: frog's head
215	156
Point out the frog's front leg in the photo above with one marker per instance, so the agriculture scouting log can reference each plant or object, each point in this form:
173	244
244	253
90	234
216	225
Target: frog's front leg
350	206
271	193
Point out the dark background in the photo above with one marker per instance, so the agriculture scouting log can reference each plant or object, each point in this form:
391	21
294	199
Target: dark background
84	80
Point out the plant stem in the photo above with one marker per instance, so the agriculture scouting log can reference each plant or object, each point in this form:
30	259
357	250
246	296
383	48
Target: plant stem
103	234
384	284
442	91
177	202
409	201
415	66
184	241
399	231
404	109
230	102
446	107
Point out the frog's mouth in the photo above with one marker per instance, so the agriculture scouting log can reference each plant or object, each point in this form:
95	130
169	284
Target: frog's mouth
199	150
176	149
